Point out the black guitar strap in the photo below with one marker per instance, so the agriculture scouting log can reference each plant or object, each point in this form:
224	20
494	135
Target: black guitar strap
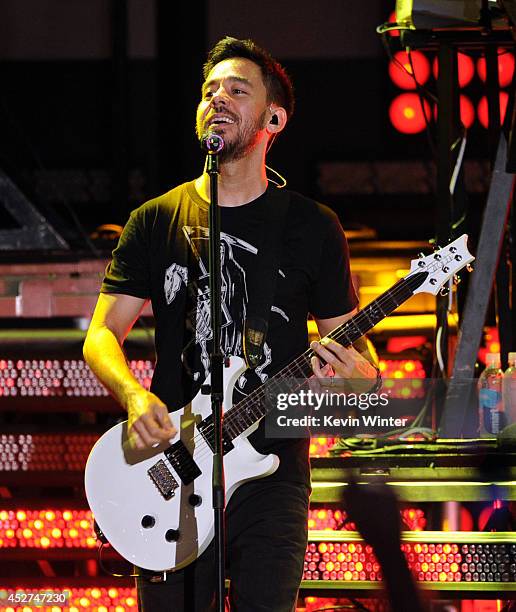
263	277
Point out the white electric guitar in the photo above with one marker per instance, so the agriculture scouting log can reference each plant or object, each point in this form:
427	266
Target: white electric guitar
155	506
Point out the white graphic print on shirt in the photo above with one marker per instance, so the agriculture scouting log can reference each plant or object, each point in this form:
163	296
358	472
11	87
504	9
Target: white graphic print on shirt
234	298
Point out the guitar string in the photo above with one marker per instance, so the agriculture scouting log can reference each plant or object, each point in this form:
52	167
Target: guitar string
396	290
304	359
255	398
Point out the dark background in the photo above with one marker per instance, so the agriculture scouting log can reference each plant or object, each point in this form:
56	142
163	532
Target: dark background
97	115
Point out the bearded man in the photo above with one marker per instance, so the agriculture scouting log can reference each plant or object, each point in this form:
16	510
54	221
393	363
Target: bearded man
247	98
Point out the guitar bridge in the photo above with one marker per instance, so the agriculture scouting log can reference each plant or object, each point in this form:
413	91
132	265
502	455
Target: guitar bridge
163	479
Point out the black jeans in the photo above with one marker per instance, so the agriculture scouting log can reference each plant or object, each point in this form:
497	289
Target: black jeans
266	535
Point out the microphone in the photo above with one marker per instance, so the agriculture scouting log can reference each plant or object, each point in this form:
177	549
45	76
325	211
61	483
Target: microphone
212	143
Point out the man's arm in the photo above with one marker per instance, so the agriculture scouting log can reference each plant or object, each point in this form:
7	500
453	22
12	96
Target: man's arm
345	362
114	316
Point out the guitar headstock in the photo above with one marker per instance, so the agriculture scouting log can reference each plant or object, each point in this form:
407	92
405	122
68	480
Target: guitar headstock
442	265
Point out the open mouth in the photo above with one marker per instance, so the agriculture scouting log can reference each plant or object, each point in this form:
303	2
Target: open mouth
220	120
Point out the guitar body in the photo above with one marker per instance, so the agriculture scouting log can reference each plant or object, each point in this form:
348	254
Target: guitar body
140	520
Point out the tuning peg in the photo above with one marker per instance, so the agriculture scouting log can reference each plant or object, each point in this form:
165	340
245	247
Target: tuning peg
469	268
421	255
456	279
444	291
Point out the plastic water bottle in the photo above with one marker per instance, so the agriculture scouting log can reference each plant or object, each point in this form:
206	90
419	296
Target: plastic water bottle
490	403
509	390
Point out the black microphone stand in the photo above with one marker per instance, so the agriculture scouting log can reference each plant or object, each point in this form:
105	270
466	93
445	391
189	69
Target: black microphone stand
214	145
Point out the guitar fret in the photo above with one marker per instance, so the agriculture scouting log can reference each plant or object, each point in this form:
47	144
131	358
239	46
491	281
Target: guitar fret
238	420
299	370
256	405
243	417
372	323
228	426
377	305
342	333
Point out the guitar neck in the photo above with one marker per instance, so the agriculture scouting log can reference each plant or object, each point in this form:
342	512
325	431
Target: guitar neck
255	406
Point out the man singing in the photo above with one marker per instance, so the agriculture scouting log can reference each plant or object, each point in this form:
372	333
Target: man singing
162	256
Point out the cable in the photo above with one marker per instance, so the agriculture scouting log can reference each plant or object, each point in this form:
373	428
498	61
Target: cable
282	178
458	162
103	566
438	351
383	28
421	91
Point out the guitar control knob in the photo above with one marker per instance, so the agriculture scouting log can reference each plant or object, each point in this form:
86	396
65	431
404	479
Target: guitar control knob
195	500
172	535
148	521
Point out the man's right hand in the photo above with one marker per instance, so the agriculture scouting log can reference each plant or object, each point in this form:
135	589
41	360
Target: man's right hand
148	420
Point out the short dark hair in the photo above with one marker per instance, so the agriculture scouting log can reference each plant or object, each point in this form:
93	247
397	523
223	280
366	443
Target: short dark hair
275	78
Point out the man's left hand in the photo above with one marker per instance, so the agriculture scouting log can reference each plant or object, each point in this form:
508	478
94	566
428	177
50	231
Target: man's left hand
340	362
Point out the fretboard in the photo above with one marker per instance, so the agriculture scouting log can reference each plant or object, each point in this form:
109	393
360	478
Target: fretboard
255	406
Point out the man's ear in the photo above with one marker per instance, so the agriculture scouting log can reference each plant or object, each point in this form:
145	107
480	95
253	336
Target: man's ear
277	120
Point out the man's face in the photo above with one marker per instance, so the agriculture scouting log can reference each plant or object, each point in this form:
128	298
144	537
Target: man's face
234	105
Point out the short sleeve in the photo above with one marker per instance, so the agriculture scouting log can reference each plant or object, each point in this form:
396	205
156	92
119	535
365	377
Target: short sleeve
128	271
332	292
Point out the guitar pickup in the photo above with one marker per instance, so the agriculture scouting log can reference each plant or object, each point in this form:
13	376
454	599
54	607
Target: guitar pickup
206	429
162	477
183	462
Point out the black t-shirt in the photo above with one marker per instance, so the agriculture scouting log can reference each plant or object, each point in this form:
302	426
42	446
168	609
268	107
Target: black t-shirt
163	255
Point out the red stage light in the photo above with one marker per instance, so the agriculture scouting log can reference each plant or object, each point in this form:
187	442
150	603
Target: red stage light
401	75
430	562
71	378
482	108
406	113
47	529
467	111
505	67
98	599
396	344
42	452
465	68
